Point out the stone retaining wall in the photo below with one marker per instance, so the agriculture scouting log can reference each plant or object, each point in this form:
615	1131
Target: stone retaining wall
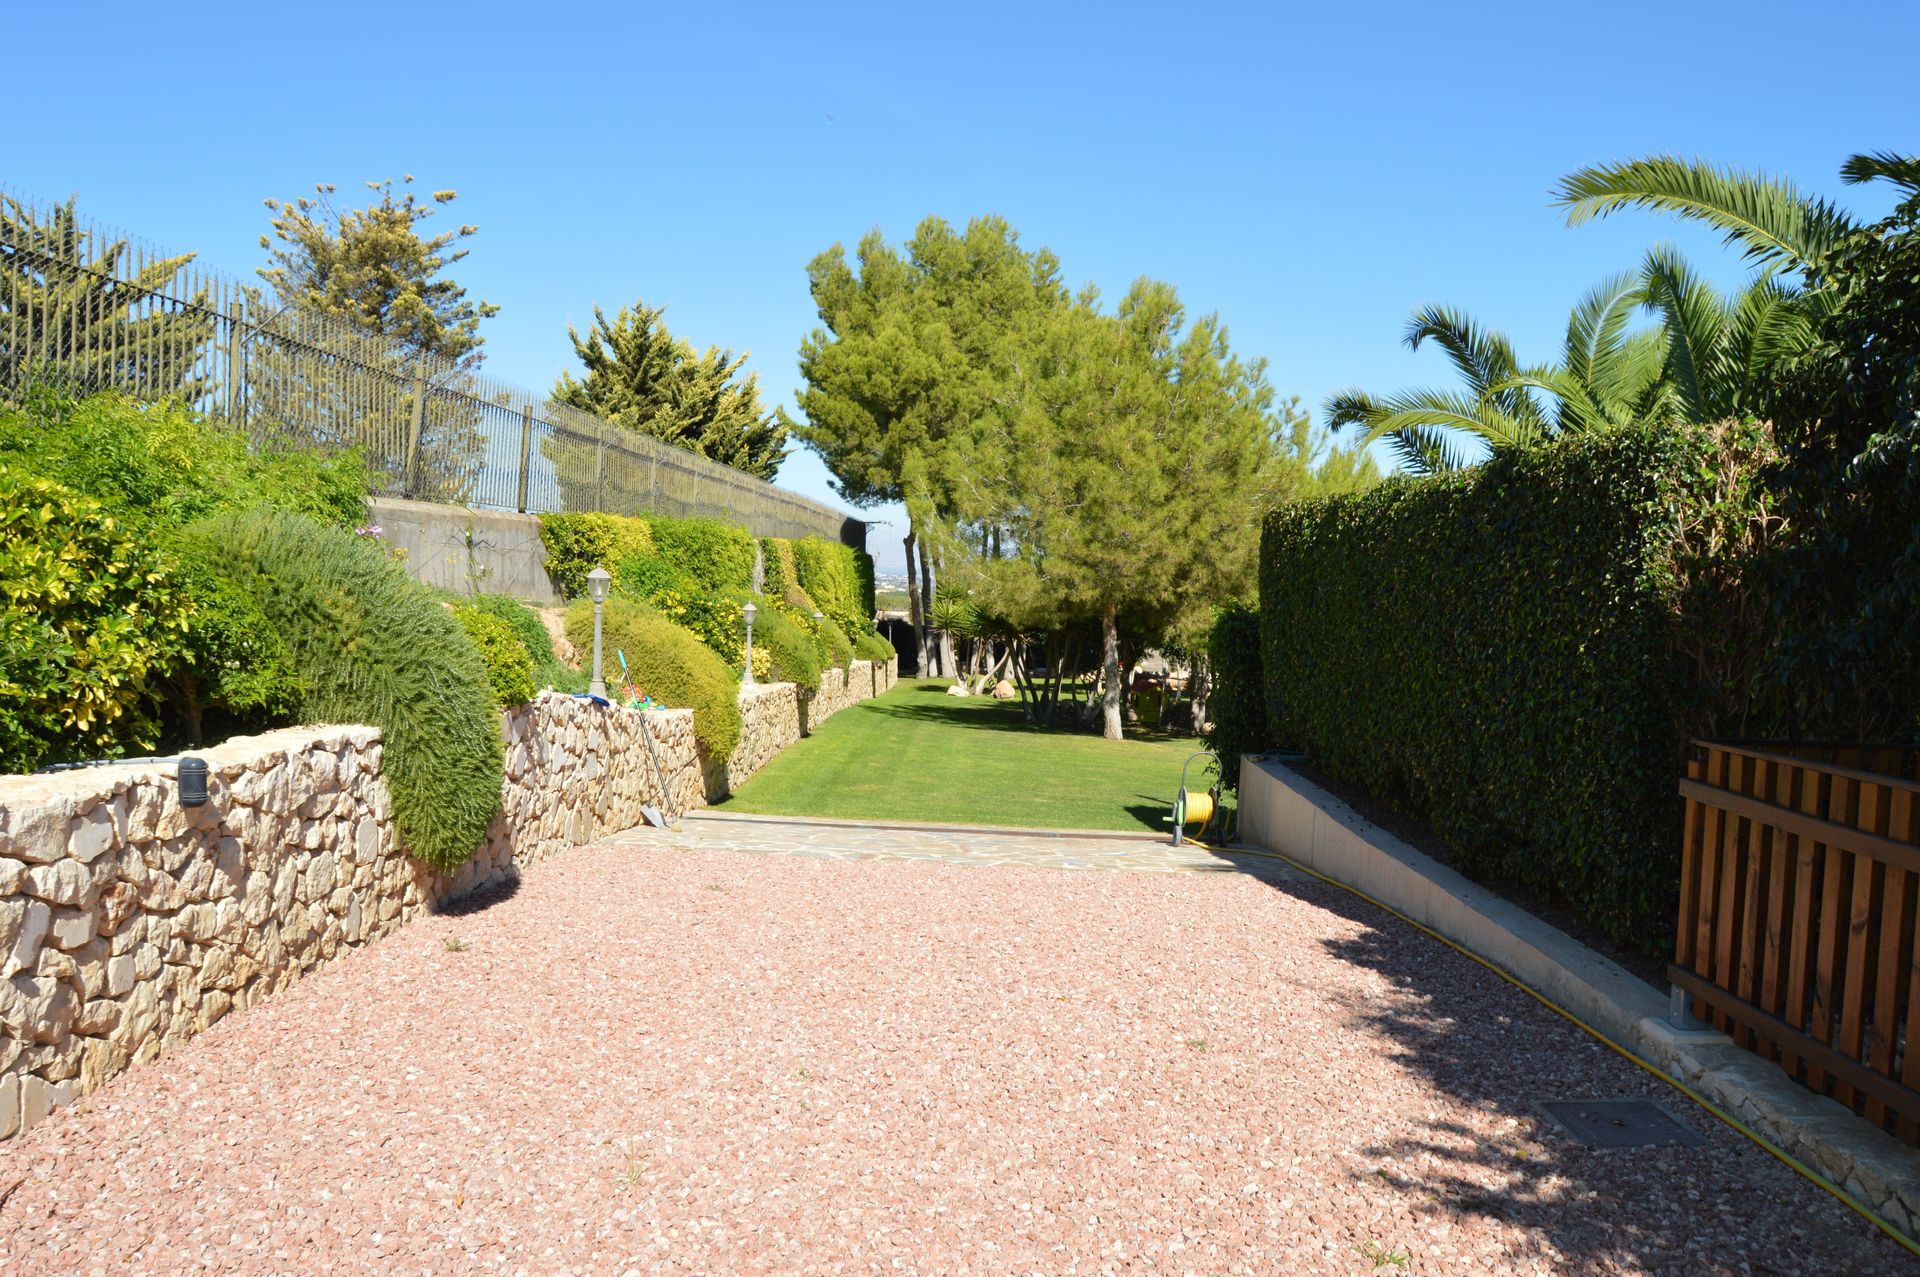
129	923
774	715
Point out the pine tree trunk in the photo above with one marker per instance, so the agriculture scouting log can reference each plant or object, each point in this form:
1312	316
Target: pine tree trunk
1110	671
1200	686
931	666
916	611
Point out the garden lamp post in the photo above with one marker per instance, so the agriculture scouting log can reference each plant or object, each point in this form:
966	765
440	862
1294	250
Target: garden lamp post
746	675
818	616
597	582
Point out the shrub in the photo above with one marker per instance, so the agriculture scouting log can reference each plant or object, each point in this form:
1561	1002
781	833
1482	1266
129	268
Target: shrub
524	622
1237	701
576	543
793	655
377	648
669	664
830	573
716	557
162	464
839	648
715	621
872	647
509	664
89	621
1498	651
647	576
236	673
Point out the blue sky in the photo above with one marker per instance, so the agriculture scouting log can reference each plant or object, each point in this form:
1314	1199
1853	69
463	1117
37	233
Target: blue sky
1310	176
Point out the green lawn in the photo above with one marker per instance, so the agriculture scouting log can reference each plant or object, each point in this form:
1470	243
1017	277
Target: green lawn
919	754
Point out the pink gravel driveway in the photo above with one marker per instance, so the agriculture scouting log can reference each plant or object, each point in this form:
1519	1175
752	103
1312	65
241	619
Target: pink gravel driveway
693	1060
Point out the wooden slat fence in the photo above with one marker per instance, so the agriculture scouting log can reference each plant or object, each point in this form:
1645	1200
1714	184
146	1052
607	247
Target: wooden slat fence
1799	876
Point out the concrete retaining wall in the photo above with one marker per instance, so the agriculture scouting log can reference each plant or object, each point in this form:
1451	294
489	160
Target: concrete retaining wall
468	551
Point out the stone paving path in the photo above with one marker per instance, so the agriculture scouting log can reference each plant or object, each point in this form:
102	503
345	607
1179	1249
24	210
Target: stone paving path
948	844
689	1053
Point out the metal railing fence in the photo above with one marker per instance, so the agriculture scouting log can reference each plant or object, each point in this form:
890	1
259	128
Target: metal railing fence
87	309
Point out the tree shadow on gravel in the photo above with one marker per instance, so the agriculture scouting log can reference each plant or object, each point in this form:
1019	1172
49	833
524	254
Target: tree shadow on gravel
1472	1036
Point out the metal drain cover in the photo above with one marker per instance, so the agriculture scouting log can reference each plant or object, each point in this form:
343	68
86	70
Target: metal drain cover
1617	1123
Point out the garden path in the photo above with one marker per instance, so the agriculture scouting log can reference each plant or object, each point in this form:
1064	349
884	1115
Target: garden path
691	1053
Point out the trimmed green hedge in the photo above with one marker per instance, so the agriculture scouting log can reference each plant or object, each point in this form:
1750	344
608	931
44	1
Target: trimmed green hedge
669	664
576	543
830	573
377	647
1498	652
1237	700
873	647
714	556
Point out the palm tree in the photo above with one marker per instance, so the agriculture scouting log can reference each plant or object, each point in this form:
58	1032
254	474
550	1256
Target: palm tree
1698	363
1692	365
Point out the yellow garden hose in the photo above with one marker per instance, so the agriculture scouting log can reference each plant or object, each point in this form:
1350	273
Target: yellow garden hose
1789	1159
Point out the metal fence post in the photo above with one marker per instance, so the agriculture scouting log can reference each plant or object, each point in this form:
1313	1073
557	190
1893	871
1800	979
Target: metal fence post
236	409
526	455
413	436
599	465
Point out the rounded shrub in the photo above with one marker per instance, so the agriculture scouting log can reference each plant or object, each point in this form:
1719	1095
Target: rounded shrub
522	620
873	647
376	647
670	665
509	664
793	656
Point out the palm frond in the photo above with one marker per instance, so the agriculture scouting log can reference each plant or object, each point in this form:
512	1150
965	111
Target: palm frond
1902	170
1695	320
1596	330
1424	450
1769	323
1580	411
1768	217
1482	355
1475	416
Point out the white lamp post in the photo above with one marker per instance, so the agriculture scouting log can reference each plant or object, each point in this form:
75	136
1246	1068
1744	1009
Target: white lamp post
819	617
597	582
746	675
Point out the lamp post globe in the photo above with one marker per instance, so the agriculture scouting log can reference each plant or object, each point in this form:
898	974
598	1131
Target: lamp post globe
597	582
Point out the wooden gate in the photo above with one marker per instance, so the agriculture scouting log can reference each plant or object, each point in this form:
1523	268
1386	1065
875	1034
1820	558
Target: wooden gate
1799	877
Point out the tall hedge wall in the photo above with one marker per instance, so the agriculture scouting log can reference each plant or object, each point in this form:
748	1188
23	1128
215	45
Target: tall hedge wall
1497	651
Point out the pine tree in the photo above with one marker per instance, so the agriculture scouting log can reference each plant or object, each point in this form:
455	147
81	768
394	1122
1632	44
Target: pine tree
642	378
81	311
373	268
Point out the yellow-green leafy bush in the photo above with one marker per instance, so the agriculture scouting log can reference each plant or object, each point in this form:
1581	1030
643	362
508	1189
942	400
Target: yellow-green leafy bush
89	622
716	557
509	664
577	543
670	665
